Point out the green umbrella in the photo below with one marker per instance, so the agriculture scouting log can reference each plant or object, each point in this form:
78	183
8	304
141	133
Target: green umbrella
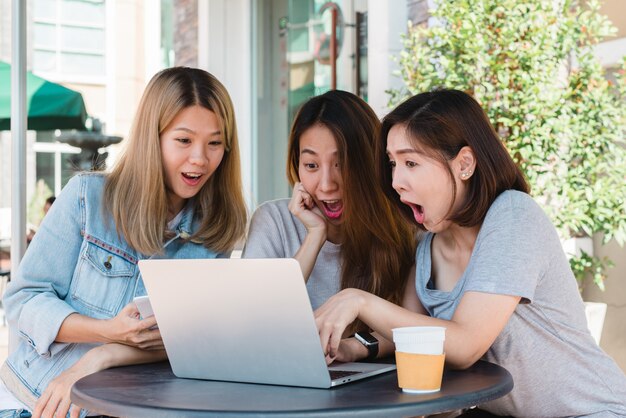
50	105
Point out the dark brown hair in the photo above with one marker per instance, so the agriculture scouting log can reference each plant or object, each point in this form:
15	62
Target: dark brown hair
440	123
379	246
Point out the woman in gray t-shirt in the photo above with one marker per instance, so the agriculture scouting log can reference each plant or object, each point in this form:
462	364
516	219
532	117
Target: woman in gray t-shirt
490	268
338	223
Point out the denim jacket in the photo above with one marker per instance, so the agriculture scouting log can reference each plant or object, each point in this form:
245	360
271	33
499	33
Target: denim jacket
76	263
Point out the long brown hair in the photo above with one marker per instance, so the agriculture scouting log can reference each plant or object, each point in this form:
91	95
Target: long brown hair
440	123
135	192
379	246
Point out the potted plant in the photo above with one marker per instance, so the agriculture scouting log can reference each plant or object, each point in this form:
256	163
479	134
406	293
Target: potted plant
530	64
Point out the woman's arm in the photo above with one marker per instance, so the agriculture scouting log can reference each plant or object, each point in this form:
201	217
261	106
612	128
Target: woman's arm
410	300
55	400
478	320
352	350
303	207
34	298
308	252
125	328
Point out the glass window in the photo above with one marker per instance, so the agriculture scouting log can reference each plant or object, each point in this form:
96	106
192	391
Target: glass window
84	11
69	37
167	33
45	9
299	24
44	61
87	39
44	169
76	63
53	166
55	169
67	168
45	35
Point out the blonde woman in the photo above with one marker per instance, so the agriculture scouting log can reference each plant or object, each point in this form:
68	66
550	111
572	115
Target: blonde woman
175	193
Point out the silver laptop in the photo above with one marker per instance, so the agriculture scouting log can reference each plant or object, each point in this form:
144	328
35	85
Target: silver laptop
242	320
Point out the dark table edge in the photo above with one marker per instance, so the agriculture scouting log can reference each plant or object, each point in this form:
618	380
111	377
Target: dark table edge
129	410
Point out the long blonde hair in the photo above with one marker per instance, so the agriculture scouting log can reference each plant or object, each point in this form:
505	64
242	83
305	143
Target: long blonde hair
135	191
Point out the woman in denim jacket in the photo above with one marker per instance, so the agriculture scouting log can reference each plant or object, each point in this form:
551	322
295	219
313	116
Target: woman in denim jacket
175	193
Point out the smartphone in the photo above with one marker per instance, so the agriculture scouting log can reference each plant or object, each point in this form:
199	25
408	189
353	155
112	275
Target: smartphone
144	307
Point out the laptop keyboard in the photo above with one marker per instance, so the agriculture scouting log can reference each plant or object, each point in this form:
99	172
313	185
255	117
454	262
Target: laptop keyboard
338	374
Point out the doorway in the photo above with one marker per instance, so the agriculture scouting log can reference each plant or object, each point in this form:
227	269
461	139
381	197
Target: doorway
290	61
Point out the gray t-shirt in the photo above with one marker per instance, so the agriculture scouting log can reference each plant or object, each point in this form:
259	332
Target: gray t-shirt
275	233
557	368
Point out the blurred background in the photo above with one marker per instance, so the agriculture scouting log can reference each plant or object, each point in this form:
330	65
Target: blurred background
272	55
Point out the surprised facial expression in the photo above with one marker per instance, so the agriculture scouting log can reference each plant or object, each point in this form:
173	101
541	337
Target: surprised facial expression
320	173
192	148
423	183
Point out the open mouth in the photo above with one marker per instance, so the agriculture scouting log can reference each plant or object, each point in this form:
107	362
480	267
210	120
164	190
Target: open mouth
418	211
191	179
332	208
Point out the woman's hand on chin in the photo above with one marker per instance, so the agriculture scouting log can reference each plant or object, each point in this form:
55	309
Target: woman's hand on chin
303	207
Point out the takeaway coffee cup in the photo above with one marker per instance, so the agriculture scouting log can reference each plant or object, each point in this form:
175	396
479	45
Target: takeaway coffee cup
419	358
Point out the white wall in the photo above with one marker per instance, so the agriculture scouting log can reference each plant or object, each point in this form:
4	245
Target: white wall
387	20
614	332
224	49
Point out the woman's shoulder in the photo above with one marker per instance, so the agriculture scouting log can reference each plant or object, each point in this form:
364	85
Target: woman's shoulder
517	210
272	218
83	186
273	208
87	180
515	201
513	198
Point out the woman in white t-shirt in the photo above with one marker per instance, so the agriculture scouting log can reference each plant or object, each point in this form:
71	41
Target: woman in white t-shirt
337	224
490	268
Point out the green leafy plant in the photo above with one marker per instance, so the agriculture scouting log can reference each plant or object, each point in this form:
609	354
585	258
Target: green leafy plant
530	64
586	266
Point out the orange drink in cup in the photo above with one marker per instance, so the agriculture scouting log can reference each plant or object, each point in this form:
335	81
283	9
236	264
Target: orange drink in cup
419	358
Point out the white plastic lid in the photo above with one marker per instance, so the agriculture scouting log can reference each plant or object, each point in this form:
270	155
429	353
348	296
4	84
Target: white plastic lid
418	334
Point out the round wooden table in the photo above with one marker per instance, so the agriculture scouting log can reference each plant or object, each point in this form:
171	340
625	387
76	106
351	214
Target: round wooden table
152	390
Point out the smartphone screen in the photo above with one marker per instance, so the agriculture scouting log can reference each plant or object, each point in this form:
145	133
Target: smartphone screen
144	307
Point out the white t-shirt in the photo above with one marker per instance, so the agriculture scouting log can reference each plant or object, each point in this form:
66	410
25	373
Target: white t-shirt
557	368
275	233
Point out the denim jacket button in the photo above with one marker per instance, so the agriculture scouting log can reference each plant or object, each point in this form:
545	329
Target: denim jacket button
107	265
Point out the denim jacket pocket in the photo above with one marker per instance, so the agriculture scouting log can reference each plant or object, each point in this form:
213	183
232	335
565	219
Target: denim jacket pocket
101	279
